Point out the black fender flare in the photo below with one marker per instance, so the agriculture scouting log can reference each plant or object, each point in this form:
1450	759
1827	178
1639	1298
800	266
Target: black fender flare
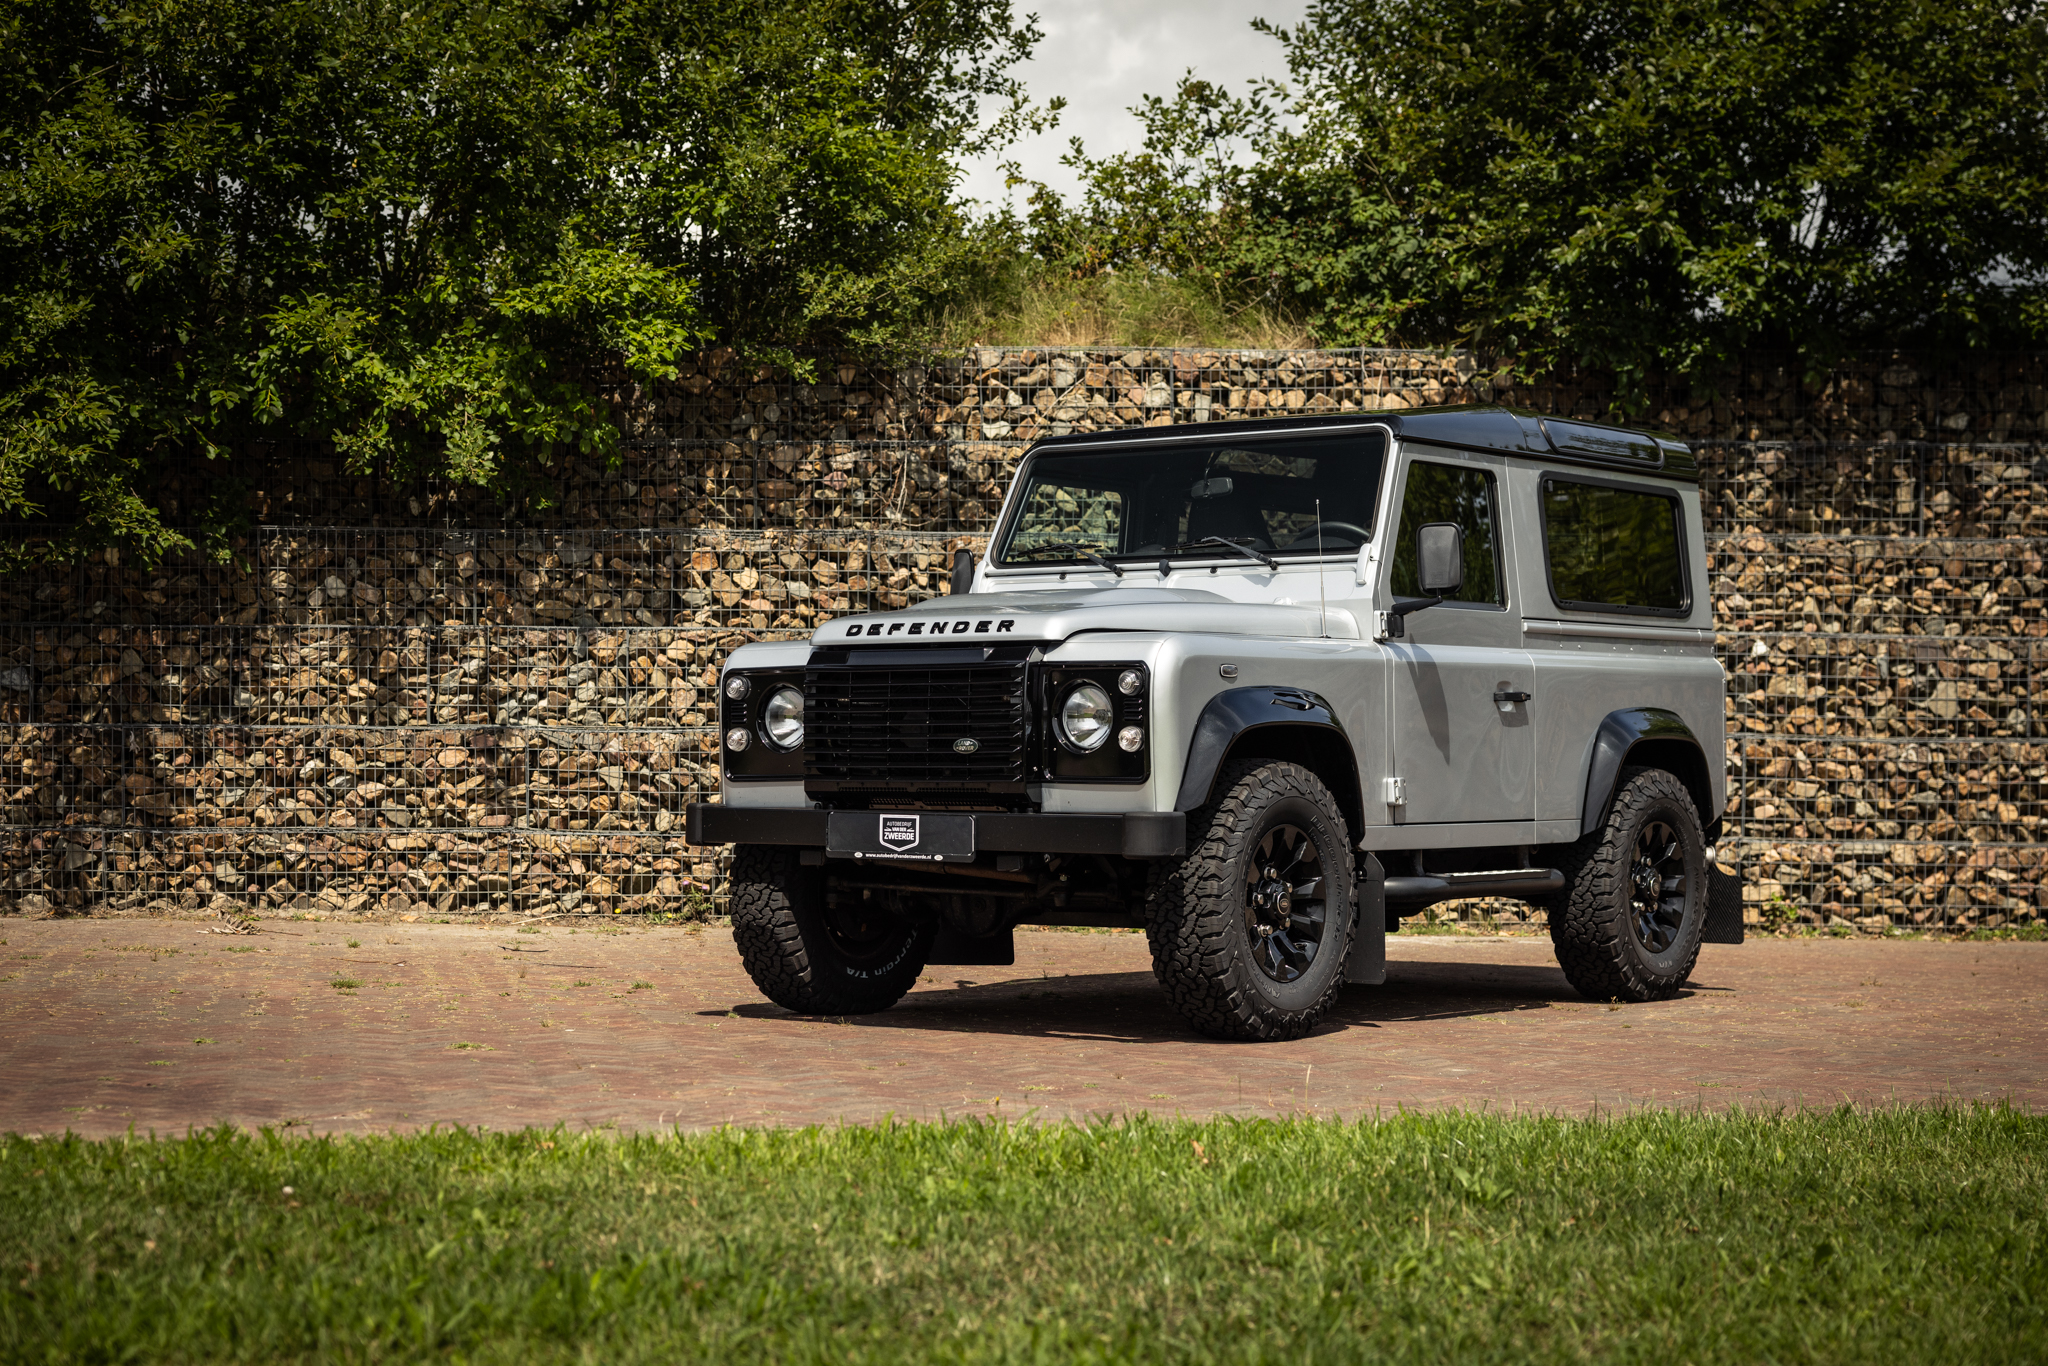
1624	732
1237	712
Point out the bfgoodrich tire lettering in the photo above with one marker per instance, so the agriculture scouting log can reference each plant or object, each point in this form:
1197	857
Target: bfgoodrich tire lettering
809	958
1249	930
1627	925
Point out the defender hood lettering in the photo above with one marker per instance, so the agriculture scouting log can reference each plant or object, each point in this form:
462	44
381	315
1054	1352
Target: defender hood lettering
1058	614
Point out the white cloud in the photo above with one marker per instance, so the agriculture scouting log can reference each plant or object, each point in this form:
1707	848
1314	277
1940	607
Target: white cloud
1103	57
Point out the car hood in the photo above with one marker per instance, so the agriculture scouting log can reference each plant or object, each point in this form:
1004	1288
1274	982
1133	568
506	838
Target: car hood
1056	614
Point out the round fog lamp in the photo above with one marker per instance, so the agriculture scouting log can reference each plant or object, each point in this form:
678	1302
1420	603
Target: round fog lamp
736	739
1129	738
737	687
1085	717
782	717
1129	681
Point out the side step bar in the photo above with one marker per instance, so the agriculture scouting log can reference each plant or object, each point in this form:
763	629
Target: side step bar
1413	893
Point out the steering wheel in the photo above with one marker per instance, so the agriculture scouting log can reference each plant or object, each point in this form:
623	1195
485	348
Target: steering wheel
1308	538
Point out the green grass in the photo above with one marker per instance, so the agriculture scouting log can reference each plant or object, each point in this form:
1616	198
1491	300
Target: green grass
2033	933
1034	306
1899	1235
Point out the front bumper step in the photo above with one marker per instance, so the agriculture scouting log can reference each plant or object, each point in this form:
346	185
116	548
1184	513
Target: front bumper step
1133	834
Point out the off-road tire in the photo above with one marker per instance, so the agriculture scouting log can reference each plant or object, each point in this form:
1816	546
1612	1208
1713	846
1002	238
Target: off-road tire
1196	919
793	951
1593	924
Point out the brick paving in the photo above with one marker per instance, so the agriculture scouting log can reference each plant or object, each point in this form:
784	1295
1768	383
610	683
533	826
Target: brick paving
158	1025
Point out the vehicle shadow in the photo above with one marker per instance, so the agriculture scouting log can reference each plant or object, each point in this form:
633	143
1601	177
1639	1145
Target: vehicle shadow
1129	1007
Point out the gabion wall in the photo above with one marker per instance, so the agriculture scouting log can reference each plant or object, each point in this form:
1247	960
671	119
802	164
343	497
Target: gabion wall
406	700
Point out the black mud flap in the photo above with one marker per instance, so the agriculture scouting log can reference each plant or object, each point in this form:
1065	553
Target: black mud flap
1368	962
1724	907
953	949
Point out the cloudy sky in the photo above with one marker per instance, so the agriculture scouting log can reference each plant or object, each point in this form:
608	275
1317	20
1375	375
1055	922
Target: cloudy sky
1103	56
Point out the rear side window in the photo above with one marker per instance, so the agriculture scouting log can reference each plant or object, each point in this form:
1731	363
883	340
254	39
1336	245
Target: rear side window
1613	548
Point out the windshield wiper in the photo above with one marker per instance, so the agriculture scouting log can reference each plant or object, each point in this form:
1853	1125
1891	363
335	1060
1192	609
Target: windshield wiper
1075	551
1261	556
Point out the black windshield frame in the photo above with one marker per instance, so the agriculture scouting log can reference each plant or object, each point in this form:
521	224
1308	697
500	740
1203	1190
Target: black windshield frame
1138	499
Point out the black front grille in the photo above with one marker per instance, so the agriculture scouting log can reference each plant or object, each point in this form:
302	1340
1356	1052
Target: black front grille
892	724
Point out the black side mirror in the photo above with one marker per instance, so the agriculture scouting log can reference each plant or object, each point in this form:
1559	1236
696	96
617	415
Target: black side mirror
963	571
1440	558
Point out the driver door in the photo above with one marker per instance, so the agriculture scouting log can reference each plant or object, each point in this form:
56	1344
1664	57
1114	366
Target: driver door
1461	754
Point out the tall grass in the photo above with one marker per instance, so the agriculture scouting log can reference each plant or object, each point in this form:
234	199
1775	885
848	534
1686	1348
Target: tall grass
1900	1235
1031	305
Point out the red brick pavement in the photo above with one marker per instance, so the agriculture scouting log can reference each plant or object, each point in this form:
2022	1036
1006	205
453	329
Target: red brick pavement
107	1024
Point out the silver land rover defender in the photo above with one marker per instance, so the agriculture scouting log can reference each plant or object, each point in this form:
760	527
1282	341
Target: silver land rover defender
1260	688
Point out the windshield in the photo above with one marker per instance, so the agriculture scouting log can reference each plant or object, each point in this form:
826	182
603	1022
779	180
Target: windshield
1165	500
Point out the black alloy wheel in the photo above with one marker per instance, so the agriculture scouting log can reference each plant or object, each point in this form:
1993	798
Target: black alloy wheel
1250	928
1628	922
1285	909
1657	886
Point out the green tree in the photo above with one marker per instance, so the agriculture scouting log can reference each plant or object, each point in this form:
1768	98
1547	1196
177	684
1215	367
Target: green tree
1173	205
1635	184
407	226
799	160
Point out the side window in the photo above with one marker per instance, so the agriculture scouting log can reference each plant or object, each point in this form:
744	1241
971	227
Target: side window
1451	493
1613	549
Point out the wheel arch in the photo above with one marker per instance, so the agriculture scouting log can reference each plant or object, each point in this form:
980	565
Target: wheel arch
1649	737
1292	725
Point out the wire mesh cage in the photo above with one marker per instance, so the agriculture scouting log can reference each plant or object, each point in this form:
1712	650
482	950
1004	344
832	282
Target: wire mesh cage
1881	686
428	696
1877	885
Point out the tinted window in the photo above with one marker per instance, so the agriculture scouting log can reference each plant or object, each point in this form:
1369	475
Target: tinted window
1613	548
1450	493
1158	500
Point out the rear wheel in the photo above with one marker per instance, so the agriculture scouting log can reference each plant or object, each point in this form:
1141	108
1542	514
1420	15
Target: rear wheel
813	956
1249	929
1627	925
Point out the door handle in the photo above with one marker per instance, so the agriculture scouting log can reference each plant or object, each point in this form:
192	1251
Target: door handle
1511	697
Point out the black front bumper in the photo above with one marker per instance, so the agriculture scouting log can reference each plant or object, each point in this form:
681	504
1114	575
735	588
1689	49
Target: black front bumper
1135	834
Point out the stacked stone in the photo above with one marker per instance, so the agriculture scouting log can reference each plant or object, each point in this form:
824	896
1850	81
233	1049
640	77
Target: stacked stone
697	449
695	580
994	395
1881	489
1877	885
1871	586
714	397
344	873
1980	793
1851	827
60	775
1841	685
756	485
412	699
1984	400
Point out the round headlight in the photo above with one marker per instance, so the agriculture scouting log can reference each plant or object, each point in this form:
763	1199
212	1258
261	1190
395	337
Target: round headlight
737	687
736	739
1085	717
782	717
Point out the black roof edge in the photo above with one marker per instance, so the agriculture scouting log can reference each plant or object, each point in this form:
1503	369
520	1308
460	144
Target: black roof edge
1474	427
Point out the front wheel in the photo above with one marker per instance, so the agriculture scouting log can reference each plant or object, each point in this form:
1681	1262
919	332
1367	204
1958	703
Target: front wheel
810	955
1627	925
1249	929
